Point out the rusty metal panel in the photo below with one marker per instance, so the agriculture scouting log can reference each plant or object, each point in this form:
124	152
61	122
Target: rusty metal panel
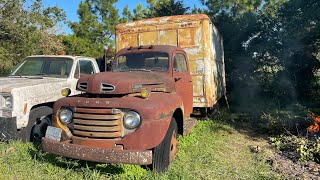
126	40
198	85
202	42
98	134
103	155
168	37
99	123
148	38
96	116
98	128
105	124
100	143
94	111
189	37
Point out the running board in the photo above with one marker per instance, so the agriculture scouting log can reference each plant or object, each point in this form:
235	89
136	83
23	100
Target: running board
188	125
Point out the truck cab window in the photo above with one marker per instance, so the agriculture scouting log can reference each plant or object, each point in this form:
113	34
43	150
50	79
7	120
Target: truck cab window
179	63
146	61
44	66
86	67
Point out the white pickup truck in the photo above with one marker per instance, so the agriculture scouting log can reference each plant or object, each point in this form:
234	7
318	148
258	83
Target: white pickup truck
28	94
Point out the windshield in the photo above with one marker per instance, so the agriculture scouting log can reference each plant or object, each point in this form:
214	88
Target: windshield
45	66
145	61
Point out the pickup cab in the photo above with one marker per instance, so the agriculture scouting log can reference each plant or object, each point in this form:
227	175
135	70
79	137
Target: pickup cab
164	69
28	94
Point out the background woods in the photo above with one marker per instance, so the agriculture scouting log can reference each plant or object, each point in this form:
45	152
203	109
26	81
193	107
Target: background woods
272	48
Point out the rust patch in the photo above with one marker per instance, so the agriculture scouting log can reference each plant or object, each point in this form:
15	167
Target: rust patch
97	154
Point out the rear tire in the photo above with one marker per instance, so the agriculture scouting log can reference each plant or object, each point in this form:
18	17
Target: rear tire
166	151
39	120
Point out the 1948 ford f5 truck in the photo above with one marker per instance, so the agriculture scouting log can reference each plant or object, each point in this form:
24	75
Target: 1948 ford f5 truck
28	94
134	113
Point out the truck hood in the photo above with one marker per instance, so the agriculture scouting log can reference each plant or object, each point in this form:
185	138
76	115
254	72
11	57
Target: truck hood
126	82
7	84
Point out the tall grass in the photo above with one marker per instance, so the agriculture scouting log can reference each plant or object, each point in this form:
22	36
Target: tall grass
213	150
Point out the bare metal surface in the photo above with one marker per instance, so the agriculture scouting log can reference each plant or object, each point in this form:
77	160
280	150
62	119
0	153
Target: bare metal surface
97	154
200	40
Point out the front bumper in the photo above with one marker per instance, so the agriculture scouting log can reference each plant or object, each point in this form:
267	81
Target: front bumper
8	128
102	155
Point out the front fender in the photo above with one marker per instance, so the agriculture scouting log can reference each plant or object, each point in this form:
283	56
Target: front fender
147	136
156	112
156	118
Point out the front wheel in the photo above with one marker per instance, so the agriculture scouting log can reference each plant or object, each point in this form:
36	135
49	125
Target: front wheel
39	120
166	151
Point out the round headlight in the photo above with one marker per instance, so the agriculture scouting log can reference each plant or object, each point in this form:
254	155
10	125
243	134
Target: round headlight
65	115
8	102
131	120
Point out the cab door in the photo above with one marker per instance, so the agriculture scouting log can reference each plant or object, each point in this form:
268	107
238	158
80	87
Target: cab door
183	82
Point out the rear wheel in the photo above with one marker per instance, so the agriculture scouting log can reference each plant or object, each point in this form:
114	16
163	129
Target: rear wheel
167	150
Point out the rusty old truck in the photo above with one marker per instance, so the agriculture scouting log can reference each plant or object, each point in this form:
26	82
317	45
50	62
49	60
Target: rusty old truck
28	93
166	67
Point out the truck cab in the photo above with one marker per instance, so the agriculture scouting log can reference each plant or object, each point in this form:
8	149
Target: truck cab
164	68
28	93
132	114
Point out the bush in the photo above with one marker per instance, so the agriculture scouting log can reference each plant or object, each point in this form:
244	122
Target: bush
303	148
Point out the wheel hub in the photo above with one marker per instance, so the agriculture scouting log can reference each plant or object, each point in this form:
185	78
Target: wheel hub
173	146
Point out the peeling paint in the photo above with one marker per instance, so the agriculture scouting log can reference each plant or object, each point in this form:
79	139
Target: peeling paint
35	91
197	36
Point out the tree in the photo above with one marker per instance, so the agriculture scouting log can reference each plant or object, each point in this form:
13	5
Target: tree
156	8
271	48
26	31
95	29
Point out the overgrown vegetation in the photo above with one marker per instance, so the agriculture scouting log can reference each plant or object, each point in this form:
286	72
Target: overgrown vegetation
214	150
272	59
303	148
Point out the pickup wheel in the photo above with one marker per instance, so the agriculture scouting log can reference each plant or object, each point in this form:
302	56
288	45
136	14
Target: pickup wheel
166	151
39	120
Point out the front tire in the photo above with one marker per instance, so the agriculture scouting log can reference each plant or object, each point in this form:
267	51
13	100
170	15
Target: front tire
166	151
39	120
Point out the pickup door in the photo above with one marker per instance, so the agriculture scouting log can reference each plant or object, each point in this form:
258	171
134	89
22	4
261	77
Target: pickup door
183	82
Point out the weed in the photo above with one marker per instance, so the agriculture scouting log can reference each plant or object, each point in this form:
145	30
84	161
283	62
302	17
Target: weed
214	150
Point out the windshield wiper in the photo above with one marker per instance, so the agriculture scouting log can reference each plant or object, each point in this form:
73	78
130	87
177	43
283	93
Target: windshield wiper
43	74
146	70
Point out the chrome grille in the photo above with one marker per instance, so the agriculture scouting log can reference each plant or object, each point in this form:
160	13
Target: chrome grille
105	87
83	86
98	123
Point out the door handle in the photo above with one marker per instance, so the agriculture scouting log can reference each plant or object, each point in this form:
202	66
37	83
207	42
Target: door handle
177	79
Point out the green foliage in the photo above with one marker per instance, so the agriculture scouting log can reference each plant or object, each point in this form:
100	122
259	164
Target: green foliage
27	31
156	8
304	148
271	48
95	29
213	150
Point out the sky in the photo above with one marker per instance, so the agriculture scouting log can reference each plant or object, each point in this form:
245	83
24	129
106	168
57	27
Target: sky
70	7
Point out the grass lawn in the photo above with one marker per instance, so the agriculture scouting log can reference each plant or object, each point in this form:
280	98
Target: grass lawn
214	150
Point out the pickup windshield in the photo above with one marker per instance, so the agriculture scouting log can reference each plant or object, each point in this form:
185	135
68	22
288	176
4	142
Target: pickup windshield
143	61
59	67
